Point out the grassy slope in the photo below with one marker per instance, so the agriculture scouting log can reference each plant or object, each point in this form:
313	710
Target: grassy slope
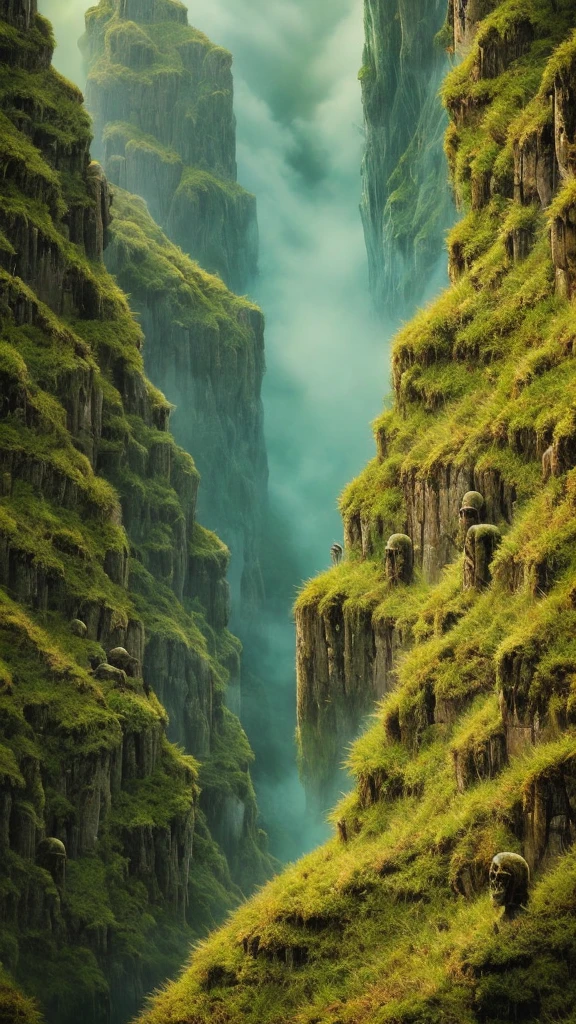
396	924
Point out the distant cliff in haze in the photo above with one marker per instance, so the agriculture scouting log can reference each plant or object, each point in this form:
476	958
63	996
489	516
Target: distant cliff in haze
161	97
406	202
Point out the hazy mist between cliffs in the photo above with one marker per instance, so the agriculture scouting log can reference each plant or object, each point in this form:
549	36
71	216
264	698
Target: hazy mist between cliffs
300	148
300	142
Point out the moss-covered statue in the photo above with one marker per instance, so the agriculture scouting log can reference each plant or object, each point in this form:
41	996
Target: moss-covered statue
399	559
509	883
51	855
337	553
470	513
119	658
482	543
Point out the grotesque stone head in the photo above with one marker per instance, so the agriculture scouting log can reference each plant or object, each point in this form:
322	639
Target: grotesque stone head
470	513
509	882
482	543
399	559
51	855
337	553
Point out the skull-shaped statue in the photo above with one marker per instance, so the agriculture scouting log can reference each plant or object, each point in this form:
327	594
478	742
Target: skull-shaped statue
470	513
120	658
509	881
399	559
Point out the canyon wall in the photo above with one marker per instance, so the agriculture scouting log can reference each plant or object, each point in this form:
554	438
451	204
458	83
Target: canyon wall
450	619
406	202
161	98
117	847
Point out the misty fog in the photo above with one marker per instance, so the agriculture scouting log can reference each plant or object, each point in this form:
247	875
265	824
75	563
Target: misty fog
300	142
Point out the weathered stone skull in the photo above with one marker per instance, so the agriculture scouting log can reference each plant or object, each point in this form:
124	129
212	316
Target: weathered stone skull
399	559
509	882
51	855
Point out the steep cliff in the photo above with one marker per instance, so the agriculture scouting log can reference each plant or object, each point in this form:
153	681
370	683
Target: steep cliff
161	98
112	599
205	349
454	604
406	203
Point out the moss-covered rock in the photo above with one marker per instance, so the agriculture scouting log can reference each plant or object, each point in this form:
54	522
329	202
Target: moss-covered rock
205	349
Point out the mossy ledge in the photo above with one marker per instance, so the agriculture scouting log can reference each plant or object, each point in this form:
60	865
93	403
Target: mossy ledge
472	748
99	549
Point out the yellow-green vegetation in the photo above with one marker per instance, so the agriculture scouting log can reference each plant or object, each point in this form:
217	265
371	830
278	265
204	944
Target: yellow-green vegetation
14	1007
471	749
100	549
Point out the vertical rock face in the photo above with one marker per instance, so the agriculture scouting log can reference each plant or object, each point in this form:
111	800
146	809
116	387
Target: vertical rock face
406	203
161	97
205	349
435	445
102	830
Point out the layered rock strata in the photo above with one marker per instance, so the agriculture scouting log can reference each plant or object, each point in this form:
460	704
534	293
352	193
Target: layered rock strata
161	96
205	349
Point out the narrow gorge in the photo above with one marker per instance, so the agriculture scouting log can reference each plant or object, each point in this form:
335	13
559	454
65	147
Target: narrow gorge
161	495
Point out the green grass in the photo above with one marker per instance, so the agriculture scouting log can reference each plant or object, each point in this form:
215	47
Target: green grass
150	265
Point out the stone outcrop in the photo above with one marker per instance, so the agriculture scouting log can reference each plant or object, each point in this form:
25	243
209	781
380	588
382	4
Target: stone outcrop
426	494
205	349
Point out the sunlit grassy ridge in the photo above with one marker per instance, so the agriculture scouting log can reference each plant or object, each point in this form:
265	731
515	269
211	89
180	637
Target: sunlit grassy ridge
474	750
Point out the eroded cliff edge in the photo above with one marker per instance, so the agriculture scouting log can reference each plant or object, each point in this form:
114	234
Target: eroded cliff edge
472	750
113	600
